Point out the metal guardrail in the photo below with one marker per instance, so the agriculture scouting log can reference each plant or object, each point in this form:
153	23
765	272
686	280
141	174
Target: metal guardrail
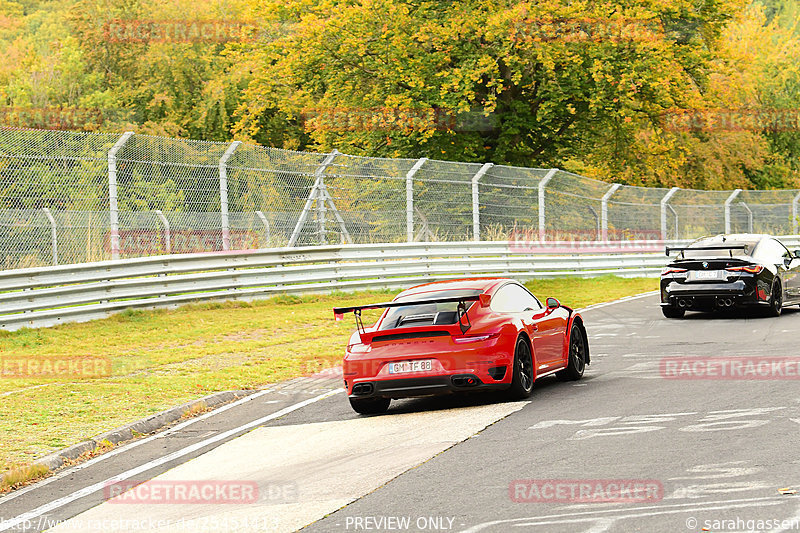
40	297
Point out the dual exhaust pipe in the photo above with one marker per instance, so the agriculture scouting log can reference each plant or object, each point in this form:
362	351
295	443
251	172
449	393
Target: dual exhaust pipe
688	303
724	302
466	380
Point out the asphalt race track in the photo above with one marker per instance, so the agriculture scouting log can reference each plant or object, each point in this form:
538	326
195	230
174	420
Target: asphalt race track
657	437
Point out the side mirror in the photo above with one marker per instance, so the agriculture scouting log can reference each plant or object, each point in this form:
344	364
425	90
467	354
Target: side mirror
552	303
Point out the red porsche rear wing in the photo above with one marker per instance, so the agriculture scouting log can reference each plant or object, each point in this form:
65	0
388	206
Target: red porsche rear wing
338	312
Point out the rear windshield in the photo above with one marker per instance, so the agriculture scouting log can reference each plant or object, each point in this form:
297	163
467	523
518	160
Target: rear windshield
438	314
711	254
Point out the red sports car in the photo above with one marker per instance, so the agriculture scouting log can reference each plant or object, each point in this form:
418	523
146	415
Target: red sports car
457	336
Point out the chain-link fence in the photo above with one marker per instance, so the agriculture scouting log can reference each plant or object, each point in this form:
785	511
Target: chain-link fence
68	197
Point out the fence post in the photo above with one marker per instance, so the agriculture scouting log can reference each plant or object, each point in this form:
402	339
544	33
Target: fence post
113	209
795	214
314	194
542	185
264	221
604	209
53	234
675	214
664	201
223	194
167	236
410	198
730	199
749	217
596	223
476	211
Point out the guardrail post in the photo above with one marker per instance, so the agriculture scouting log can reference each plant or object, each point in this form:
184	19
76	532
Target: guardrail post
795	223
476	208
664	202
223	194
113	208
315	194
264	221
604	209
167	236
730	199
542	185
53	234
410	198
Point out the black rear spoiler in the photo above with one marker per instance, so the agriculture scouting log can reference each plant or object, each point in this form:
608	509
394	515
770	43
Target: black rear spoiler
338	312
720	247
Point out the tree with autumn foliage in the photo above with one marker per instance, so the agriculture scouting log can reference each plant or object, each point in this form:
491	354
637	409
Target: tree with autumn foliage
594	87
583	86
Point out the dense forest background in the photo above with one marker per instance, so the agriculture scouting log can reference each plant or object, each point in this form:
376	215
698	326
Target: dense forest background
691	93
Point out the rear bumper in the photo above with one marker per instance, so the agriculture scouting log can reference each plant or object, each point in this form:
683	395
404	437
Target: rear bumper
421	386
708	295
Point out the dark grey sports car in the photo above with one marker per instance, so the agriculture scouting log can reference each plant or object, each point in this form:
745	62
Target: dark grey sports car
727	271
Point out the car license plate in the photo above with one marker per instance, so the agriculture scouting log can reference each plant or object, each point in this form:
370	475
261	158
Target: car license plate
421	365
706	275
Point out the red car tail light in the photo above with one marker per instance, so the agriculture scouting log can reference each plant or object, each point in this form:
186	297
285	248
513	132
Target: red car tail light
671	270
753	269
474	338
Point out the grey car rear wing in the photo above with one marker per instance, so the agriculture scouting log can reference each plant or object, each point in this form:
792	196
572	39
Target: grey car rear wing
718	247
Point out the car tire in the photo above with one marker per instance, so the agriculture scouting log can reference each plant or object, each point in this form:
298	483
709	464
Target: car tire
370	406
673	312
522	375
577	356
776	299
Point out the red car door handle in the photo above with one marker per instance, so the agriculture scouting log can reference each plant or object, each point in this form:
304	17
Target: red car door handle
536	327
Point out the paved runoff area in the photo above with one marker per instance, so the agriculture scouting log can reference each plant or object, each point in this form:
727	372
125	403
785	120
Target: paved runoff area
678	425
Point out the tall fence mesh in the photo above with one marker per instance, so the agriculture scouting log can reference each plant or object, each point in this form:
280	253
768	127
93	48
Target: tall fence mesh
71	197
